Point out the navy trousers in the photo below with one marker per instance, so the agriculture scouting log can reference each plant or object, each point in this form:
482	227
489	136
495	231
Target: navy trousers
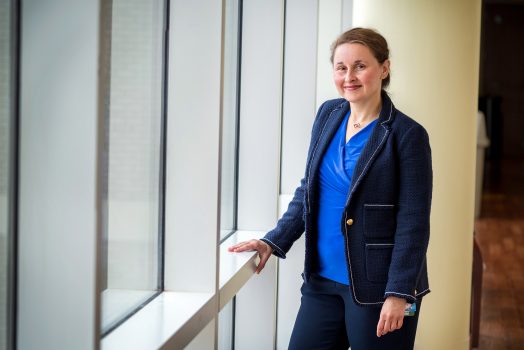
329	318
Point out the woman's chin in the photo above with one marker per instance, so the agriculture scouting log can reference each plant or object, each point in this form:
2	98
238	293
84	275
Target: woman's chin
352	97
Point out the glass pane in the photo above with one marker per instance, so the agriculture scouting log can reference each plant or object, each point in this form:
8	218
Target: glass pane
230	117
225	326
5	139
133	157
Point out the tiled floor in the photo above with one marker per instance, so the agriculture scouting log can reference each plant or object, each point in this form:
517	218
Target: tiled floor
500	234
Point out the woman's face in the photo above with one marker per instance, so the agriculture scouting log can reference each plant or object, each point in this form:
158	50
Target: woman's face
357	73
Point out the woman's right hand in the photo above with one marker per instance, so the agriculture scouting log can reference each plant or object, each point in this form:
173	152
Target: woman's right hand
264	251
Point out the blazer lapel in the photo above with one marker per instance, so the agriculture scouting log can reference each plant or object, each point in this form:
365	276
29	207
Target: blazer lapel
376	141
326	135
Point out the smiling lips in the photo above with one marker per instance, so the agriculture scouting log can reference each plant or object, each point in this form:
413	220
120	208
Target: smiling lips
351	87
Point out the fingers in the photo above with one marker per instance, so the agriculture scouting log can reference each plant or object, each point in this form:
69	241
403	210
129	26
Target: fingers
400	323
244	246
380	327
261	265
263	249
264	257
264	253
387	324
391	316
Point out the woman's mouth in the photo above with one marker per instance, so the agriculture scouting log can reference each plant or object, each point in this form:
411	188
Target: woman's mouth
351	87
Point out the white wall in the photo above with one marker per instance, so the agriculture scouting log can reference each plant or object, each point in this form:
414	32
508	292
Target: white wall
329	27
192	179
428	39
258	174
260	112
300	78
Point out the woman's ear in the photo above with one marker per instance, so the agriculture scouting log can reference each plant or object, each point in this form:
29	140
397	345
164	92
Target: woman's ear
385	69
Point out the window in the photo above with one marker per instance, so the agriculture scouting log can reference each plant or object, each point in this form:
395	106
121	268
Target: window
230	108
226	326
7	151
229	166
133	158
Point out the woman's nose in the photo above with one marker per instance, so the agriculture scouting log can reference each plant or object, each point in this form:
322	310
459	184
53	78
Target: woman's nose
350	75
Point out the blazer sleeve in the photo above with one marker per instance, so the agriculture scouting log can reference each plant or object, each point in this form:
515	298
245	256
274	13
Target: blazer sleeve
413	215
291	226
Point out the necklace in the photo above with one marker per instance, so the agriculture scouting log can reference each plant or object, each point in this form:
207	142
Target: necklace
361	123
357	125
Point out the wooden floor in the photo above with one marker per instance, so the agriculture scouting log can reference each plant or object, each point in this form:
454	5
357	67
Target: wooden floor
500	234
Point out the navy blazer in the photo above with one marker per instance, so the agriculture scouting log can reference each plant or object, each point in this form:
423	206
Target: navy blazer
386	218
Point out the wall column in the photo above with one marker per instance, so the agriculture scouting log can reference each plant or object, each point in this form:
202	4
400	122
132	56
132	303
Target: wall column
435	63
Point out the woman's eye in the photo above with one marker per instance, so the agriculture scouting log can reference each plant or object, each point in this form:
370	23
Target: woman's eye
360	66
341	68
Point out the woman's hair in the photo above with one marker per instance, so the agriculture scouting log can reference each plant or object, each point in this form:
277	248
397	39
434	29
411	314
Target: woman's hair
369	38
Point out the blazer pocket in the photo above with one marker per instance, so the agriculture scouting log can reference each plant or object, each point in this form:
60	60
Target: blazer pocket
379	220
378	259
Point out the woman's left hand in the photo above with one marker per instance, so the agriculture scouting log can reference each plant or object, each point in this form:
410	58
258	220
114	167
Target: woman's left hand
391	315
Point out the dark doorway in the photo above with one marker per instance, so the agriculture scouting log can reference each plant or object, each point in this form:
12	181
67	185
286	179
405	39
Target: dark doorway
500	229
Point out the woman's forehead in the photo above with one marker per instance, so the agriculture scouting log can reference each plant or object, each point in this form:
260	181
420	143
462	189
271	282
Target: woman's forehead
352	52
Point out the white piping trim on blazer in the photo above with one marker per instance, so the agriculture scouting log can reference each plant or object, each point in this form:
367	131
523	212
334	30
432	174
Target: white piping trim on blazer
345	213
370	158
315	150
276	246
424	291
406	295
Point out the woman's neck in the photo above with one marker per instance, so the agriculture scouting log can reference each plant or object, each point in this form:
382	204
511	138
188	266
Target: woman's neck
366	111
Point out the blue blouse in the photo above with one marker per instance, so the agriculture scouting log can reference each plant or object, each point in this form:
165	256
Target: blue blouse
336	171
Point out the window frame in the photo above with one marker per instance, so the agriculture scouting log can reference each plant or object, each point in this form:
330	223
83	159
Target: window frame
237	115
105	83
215	276
13	164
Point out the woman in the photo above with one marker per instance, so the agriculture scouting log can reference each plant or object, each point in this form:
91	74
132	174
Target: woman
364	204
